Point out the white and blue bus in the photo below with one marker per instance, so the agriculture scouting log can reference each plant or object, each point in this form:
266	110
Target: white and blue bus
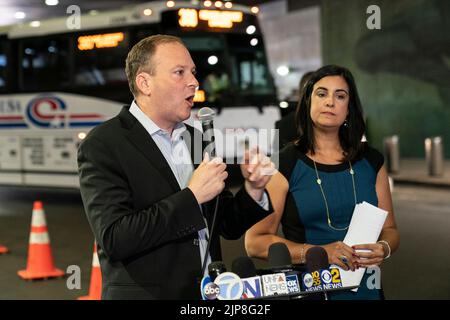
58	81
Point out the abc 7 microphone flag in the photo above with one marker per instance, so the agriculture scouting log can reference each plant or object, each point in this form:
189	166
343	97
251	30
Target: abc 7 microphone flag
226	286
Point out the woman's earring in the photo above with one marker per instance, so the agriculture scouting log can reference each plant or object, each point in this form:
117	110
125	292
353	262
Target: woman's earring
346	123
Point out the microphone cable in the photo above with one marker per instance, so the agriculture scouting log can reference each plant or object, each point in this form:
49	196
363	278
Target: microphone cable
205	258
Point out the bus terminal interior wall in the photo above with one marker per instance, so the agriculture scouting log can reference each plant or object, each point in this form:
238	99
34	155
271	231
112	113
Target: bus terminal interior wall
292	38
401	70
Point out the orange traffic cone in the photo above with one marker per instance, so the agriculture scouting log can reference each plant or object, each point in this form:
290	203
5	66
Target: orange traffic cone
3	249
95	288
40	261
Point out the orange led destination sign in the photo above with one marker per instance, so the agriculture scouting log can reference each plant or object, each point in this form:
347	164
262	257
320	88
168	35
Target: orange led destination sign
189	18
199	96
97	41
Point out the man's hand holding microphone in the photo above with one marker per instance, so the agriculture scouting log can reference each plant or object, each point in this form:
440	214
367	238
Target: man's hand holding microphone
208	180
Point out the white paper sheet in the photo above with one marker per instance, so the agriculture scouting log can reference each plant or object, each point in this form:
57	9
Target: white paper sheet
365	227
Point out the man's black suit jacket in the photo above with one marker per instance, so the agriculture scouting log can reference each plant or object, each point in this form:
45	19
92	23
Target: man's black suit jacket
145	226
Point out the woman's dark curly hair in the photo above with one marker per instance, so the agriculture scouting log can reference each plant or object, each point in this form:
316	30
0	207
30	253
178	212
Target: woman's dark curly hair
350	136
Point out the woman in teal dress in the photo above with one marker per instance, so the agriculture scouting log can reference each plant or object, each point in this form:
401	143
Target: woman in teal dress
322	176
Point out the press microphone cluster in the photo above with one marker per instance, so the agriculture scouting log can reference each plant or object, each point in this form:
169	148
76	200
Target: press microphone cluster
281	279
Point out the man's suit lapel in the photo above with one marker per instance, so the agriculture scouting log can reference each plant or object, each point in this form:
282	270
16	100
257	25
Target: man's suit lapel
194	139
140	138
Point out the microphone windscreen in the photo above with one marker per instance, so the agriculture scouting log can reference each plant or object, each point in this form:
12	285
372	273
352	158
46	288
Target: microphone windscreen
205	114
215	268
279	255
316	259
243	267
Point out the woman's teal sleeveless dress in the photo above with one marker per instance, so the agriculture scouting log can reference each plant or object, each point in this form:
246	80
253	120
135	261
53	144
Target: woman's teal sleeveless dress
304	218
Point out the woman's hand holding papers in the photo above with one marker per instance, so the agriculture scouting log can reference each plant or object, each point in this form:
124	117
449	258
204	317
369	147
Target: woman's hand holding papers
369	254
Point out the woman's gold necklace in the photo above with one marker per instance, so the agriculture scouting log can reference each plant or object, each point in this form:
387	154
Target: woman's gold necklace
319	182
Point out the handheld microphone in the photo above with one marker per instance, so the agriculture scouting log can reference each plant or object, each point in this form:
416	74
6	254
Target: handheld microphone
215	268
245	269
280	262
206	117
316	261
279	257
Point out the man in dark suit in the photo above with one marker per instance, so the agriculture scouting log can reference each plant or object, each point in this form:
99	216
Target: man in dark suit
148	202
286	125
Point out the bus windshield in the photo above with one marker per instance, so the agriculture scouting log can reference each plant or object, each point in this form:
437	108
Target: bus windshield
231	69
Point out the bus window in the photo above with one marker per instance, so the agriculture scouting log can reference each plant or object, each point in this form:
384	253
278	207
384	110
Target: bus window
252	74
3	64
140	34
44	63
208	53
100	59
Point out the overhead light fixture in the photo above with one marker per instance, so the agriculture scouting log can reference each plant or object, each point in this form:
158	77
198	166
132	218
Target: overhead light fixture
207	3
212	60
20	15
148	12
283	71
253	42
228	5
51	2
250	29
218	4
254	10
170	4
284	104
